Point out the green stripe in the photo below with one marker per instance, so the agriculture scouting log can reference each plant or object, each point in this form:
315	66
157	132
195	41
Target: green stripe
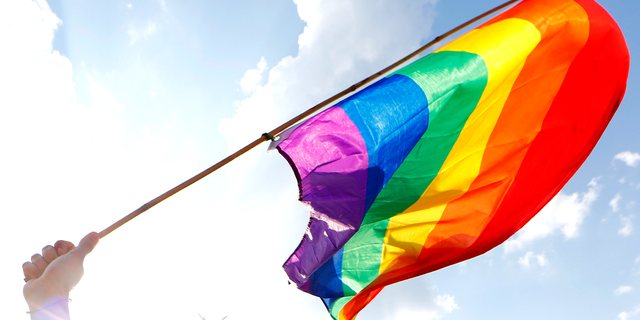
452	79
337	306
453	83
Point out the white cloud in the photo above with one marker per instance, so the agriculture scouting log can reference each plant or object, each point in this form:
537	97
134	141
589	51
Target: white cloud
525	260
410	300
97	158
622	290
614	203
564	213
52	141
137	34
630	158
343	42
629	315
636	266
69	168
627	226
250	82
59	157
446	302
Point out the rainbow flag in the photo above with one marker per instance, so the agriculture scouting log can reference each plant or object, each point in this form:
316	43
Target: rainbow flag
450	156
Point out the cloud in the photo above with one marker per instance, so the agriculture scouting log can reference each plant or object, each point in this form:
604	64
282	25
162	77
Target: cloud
630	158
136	34
93	154
250	82
627	227
636	266
40	117
446	302
622	290
629	315
614	203
410	300
50	142
525	261
58	156
564	213
343	42
68	168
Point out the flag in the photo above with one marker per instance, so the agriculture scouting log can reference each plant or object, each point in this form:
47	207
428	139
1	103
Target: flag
448	157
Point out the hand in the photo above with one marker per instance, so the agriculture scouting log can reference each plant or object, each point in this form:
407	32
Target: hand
54	273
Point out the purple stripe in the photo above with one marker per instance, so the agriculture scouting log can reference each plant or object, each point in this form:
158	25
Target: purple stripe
329	157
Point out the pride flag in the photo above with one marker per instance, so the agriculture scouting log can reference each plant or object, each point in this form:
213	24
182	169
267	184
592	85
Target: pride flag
448	157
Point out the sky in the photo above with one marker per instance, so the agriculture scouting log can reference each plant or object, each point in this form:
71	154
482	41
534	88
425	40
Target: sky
106	104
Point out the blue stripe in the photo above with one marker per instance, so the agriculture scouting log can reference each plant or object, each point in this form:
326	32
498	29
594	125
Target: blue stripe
386	114
326	282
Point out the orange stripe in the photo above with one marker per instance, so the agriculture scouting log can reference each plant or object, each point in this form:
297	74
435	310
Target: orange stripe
465	218
504	48
564	33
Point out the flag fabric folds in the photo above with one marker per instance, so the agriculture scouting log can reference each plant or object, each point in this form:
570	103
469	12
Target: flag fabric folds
448	157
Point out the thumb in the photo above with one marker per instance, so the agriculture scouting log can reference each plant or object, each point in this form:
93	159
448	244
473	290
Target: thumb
87	244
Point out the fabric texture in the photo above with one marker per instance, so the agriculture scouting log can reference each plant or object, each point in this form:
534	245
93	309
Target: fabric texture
451	155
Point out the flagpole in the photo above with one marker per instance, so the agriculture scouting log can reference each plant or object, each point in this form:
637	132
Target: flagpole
293	121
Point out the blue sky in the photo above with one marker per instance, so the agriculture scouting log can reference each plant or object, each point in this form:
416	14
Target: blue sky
107	104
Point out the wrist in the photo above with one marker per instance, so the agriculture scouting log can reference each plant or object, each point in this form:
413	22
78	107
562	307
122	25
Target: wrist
39	293
56	308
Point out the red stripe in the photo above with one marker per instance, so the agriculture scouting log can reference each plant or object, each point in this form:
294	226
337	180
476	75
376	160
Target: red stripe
590	94
564	32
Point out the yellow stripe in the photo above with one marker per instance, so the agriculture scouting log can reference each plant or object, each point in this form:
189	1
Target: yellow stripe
504	47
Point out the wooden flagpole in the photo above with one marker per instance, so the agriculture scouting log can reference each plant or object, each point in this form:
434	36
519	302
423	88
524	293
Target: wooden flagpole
293	121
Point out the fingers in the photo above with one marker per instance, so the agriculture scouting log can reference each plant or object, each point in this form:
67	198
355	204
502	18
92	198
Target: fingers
49	254
30	271
63	247
87	244
35	268
39	262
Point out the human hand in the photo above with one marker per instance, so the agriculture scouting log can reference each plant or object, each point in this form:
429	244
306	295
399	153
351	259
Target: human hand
53	274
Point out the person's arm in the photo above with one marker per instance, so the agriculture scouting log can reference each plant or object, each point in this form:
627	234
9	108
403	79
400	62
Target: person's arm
52	275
